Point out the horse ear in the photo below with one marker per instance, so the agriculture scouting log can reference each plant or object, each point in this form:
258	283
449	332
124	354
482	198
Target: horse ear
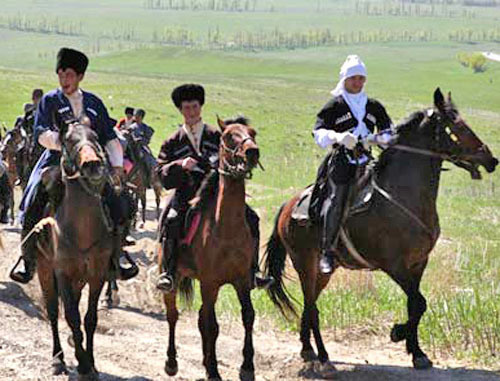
448	98
221	123
438	99
252	132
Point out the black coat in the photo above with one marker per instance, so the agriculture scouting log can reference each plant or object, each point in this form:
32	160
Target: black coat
337	116
178	147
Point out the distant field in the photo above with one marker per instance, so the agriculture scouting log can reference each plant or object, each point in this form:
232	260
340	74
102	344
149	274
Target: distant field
281	90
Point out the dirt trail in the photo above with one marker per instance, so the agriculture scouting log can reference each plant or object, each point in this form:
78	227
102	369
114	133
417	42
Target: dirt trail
130	343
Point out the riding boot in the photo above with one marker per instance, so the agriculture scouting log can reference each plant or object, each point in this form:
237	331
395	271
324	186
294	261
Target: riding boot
333	218
33	214
122	273
259	280
28	256
166	280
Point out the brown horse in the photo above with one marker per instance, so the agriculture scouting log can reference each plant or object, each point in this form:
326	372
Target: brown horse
395	233
76	249
221	251
14	151
140	178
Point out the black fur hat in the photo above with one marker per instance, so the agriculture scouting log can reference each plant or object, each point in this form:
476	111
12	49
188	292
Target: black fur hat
70	58
129	111
188	92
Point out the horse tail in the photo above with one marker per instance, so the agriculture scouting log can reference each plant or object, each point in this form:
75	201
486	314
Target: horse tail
275	265
186	290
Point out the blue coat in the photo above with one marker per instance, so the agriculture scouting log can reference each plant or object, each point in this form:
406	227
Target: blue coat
53	110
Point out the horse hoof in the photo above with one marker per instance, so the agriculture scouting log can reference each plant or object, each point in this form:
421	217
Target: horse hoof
422	362
325	370
247	375
171	367
308	355
58	367
398	333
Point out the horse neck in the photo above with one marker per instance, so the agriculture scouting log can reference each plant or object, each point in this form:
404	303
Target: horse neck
230	202
82	211
413	179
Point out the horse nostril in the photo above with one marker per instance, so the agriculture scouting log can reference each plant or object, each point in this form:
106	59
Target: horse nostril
252	155
493	165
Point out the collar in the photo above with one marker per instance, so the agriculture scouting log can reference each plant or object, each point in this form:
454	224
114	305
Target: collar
194	133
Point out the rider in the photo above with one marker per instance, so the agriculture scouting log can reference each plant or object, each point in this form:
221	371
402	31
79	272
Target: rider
30	111
58	107
184	160
345	119
126	121
142	133
5	192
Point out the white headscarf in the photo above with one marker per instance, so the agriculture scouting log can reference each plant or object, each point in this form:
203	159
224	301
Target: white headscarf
356	102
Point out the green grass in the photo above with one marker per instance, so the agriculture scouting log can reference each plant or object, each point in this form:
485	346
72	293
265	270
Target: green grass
281	91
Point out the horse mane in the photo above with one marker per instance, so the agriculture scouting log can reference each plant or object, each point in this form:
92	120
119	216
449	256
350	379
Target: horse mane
408	124
210	185
239	119
207	192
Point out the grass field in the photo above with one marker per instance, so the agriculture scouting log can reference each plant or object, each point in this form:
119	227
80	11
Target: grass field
281	91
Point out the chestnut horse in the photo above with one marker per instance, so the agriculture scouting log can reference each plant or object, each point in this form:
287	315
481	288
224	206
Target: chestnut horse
221	251
397	231
75	250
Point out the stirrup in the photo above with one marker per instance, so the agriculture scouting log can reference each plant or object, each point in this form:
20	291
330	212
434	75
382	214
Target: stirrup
165	283
22	277
262	282
126	273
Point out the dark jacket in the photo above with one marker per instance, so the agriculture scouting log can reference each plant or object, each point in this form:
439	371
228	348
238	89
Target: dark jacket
178	147
337	116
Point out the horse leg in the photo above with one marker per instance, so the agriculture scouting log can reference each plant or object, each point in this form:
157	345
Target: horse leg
209	329
95	288
112	298
49	289
11	202
307	283
321	282
247	370
143	205
416	305
171	366
71	298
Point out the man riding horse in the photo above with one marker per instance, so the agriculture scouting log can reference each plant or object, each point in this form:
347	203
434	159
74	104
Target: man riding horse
184	160
345	119
66	105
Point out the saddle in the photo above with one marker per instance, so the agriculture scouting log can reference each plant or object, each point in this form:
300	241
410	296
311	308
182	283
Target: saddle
306	210
306	213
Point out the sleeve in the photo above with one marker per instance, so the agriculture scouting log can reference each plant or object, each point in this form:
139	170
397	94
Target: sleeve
148	134
105	130
384	122
323	131
43	117
169	168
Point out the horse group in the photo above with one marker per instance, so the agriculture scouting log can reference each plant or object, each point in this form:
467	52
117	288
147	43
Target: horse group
395	233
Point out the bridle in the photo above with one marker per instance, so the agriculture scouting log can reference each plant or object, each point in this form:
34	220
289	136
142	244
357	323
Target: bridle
230	167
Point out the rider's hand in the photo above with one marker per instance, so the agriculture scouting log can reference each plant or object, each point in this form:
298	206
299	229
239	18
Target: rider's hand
118	176
347	139
189	163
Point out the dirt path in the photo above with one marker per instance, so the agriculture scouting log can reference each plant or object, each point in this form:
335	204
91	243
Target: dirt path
130	343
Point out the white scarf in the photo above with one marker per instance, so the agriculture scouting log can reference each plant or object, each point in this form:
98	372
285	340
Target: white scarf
356	102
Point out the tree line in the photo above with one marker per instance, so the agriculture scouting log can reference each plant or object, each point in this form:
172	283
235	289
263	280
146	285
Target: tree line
204	5
408	8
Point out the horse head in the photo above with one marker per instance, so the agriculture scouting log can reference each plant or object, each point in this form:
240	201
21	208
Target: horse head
15	141
82	156
443	130
239	153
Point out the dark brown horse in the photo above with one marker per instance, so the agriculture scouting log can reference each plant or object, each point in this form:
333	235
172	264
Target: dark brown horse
14	150
140	178
221	251
75	250
395	234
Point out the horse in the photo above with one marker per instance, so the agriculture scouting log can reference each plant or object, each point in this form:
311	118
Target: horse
405	182
74	249
220	252
14	151
139	179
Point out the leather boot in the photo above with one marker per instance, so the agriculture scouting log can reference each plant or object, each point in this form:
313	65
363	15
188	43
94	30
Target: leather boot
166	280
333	219
122	273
